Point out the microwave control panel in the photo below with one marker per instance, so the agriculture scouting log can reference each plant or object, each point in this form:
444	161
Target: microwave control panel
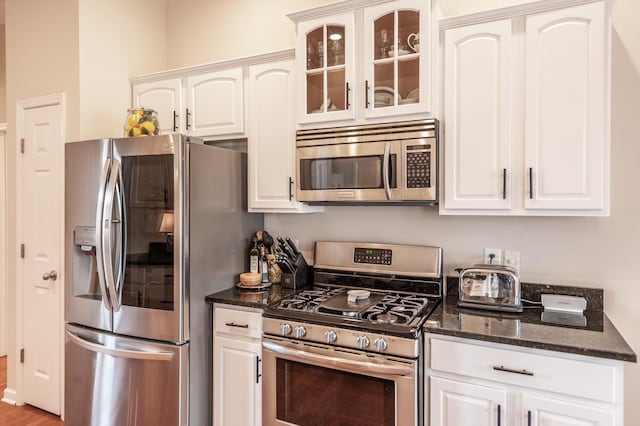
418	166
420	172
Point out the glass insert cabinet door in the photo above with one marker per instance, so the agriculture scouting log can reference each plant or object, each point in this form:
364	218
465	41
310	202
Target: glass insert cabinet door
396	51
328	47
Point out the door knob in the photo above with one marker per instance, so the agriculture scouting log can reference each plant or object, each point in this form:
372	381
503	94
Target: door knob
53	275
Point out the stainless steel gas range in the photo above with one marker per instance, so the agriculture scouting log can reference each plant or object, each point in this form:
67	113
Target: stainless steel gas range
349	351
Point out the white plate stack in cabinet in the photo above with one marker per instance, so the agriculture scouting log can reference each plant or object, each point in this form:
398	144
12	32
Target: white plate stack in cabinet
526	110
361	61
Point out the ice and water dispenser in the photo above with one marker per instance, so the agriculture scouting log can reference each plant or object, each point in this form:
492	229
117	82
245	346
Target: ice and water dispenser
85	271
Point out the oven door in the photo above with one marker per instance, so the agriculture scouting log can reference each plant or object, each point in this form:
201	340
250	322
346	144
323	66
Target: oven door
315	384
368	171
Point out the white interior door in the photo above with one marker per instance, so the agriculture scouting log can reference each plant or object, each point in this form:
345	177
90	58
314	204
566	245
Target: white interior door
3	241
40	195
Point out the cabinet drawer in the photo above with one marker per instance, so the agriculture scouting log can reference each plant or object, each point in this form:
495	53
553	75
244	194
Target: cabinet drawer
237	322
554	374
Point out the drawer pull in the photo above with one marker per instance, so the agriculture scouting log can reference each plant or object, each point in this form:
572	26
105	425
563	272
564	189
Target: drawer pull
510	370
233	324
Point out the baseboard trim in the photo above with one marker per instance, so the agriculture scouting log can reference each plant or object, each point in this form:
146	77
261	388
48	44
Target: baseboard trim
10	396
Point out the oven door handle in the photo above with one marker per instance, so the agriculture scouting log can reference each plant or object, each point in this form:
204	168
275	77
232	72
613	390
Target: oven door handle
350	365
385	170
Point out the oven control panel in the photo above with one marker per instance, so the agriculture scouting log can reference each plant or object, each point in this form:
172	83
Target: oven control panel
333	336
373	256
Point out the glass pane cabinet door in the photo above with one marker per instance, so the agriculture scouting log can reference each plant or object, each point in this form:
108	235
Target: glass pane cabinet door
327	65
396	69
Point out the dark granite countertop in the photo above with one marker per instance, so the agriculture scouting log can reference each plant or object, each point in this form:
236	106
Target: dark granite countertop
250	298
596	336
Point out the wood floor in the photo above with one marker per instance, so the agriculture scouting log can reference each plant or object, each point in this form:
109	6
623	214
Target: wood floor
11	415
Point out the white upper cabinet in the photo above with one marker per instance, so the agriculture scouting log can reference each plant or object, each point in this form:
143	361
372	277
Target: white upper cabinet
565	155
326	61
271	142
525	112
359	60
166	98
478	116
215	103
396	58
202	101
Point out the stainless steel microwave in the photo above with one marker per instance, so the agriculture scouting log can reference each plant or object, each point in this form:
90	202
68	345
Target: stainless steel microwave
377	163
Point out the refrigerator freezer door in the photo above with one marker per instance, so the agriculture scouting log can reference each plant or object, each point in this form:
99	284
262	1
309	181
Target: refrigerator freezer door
86	166
114	380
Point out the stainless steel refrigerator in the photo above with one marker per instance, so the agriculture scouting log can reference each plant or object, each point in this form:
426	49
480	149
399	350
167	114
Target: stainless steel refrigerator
152	226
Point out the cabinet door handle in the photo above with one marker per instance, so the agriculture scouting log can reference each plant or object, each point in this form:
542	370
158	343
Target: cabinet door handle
499	414
258	374
347	90
188	115
530	183
175	121
233	324
528	417
504	184
366	93
510	370
290	188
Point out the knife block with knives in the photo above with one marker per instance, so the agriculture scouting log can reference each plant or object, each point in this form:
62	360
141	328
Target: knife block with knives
295	271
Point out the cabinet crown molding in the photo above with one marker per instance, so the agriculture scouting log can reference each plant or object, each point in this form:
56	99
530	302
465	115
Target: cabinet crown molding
214	66
331	9
510	12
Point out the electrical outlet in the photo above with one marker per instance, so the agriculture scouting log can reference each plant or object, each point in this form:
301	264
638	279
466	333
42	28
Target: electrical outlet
512	258
492	256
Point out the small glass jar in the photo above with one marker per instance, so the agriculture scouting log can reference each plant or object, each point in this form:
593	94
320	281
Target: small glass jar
141	122
275	273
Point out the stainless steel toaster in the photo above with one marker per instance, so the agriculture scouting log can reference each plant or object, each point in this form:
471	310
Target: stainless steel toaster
494	287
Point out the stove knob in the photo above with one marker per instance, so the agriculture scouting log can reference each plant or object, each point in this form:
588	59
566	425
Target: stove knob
362	341
300	331
285	329
380	344
330	336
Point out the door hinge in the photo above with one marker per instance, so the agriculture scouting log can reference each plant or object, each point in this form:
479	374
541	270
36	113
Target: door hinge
22	145
22	356
22	251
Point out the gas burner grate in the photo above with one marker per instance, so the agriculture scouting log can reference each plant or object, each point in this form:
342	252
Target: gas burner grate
308	300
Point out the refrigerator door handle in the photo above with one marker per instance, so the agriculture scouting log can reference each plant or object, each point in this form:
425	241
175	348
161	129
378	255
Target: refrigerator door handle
120	353
107	236
100	258
121	238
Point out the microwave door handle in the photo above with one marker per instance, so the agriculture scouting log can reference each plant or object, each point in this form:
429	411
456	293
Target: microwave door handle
107	229
385	170
100	258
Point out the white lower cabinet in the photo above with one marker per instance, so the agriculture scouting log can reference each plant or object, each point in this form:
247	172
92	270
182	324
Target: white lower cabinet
541	411
475	382
455	403
237	366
